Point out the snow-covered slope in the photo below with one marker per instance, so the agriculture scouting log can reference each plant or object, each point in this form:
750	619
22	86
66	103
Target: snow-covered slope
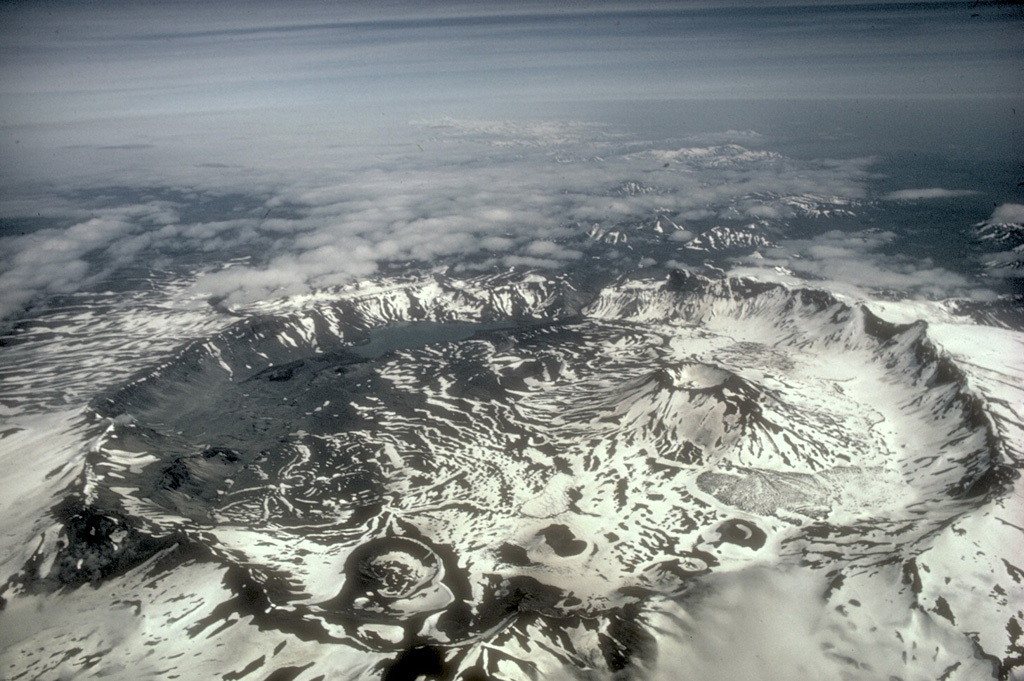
1007	239
725	238
507	478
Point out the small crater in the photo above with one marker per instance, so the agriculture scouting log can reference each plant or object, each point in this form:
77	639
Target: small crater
562	541
741	533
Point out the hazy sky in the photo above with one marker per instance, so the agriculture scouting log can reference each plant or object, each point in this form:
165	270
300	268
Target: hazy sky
230	75
74	61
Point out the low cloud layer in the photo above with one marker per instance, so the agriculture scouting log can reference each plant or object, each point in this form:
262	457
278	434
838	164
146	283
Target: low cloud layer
64	260
860	264
756	624
929	193
473	194
1007	213
479	194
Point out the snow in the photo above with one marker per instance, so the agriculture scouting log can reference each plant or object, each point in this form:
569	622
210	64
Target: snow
40	455
605	457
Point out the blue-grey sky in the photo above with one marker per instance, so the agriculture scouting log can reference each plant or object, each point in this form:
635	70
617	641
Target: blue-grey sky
65	62
123	75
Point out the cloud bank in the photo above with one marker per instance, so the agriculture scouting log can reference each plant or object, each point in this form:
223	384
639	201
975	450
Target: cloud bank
476	194
860	264
929	193
473	194
1007	213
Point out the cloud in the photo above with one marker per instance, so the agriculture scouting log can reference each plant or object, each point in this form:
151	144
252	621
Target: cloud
929	193
1007	213
744	137
475	193
55	261
861	264
759	623
469	191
